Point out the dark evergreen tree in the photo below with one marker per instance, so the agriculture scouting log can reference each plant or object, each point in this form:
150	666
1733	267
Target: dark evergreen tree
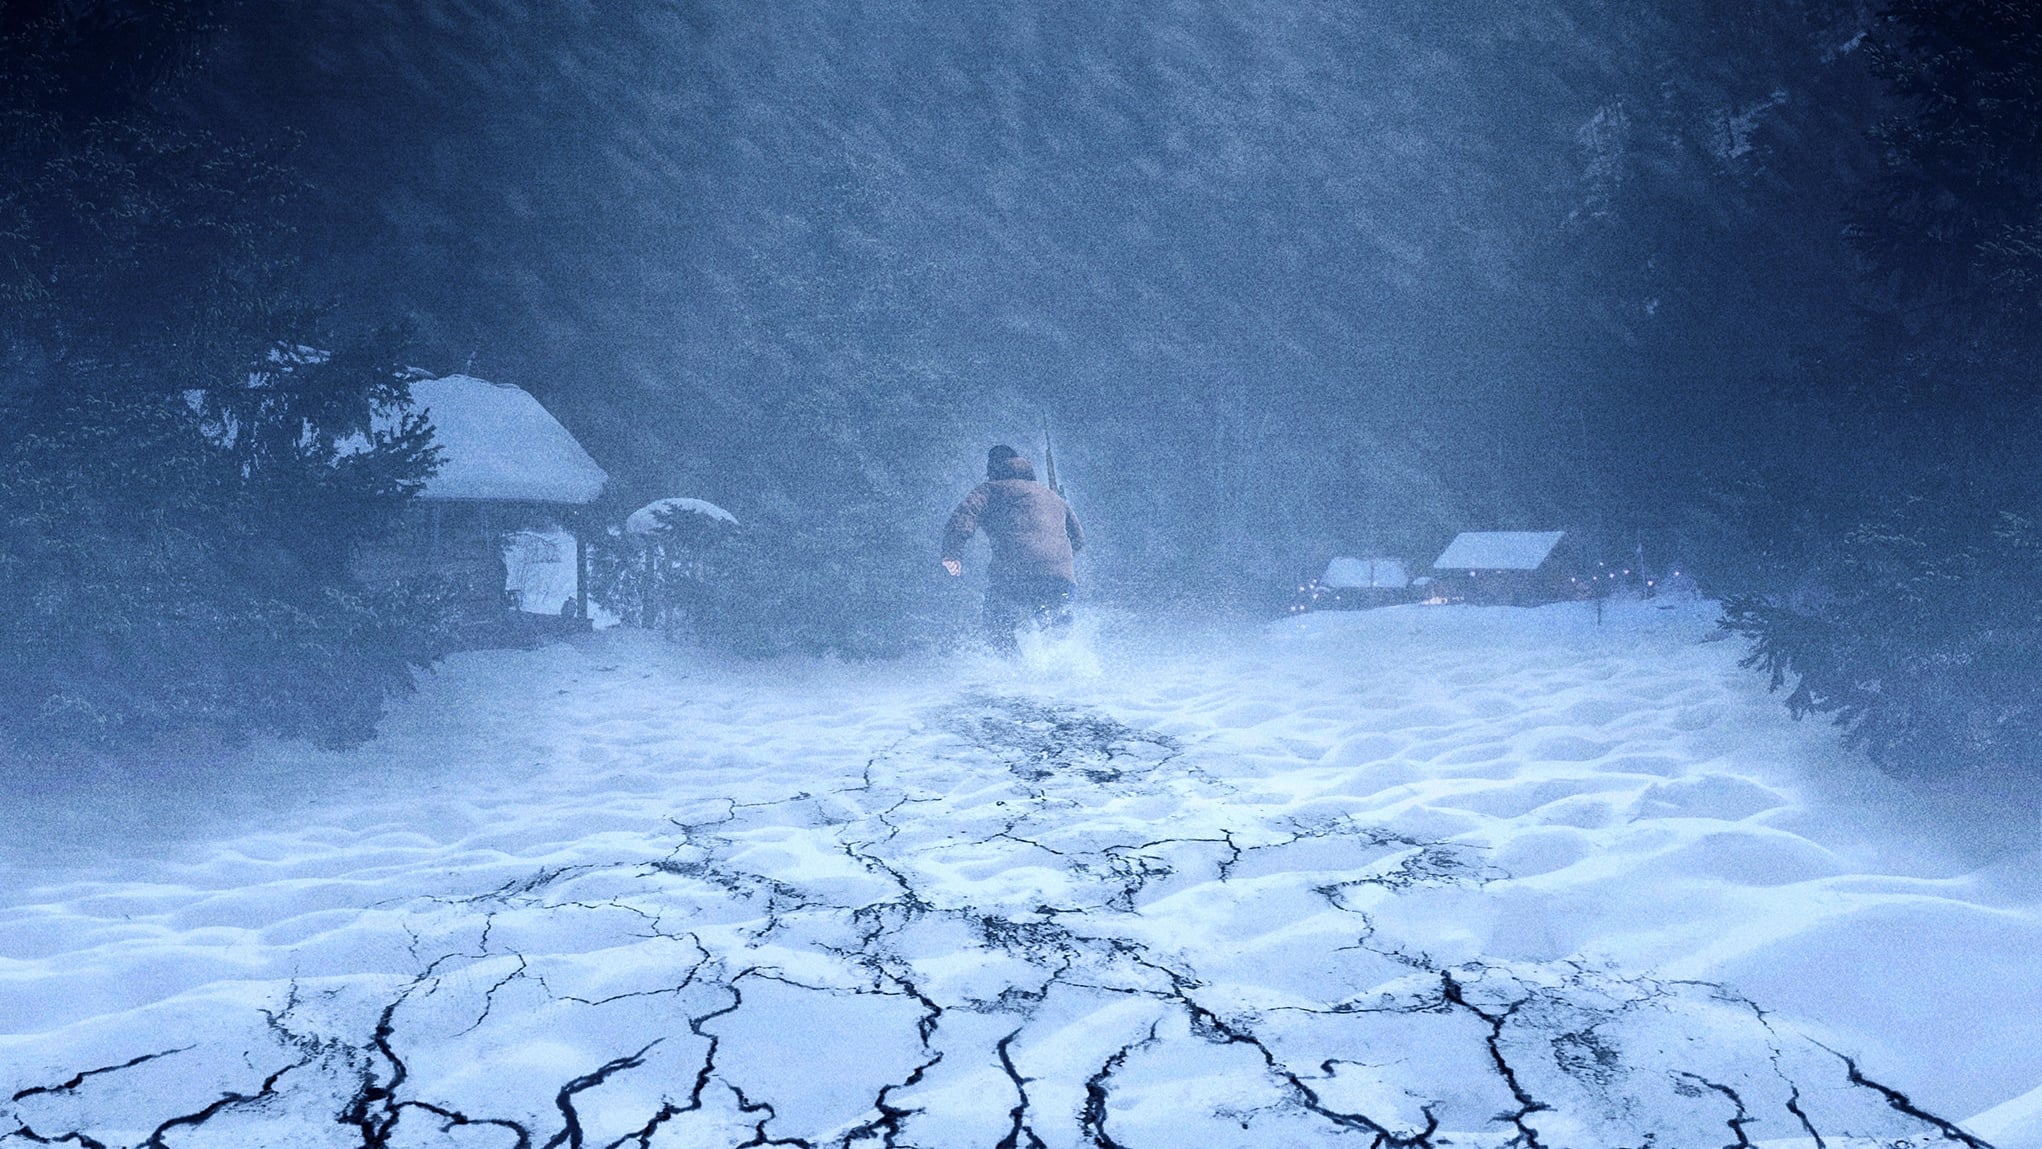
1927	645
1954	231
182	480
1916	625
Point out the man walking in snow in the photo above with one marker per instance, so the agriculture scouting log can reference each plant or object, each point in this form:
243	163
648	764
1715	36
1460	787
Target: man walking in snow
1034	536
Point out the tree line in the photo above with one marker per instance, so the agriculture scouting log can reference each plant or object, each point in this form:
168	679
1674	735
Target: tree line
1755	282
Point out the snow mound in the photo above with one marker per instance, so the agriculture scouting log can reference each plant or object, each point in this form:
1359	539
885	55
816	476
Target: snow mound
2014	1125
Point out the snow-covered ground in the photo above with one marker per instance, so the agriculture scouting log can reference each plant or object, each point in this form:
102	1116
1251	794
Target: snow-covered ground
1420	876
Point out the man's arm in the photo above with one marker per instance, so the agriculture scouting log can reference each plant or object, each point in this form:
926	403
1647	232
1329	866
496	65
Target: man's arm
1071	528
963	524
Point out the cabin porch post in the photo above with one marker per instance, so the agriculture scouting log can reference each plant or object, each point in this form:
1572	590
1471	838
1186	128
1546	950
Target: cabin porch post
580	573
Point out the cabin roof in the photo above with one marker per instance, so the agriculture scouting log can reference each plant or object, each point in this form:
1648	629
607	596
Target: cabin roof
1346	572
499	444
1498	550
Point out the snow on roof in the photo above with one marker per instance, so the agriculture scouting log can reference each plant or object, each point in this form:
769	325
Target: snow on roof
1498	550
497	442
645	520
1344	572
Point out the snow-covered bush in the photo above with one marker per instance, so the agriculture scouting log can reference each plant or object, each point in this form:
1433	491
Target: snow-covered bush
662	569
823	580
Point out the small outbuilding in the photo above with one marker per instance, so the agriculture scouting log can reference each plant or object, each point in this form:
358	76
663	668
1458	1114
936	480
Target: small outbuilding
1514	567
509	471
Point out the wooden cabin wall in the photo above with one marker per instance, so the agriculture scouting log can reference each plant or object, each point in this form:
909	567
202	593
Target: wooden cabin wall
459	545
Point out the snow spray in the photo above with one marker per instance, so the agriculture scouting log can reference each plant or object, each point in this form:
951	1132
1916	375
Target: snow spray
1068	652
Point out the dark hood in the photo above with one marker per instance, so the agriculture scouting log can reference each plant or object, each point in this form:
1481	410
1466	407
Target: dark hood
1013	468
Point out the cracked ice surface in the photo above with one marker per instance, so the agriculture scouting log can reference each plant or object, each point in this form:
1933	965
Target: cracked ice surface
1413	877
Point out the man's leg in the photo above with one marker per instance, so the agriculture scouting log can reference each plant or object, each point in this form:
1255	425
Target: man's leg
1002	613
1052	607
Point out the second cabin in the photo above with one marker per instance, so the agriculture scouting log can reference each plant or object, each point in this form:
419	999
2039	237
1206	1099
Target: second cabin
1514	568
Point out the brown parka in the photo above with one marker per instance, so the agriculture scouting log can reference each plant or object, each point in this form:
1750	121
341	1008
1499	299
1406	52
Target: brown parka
1033	531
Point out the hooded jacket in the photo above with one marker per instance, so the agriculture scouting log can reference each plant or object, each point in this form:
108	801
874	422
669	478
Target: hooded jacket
1033	531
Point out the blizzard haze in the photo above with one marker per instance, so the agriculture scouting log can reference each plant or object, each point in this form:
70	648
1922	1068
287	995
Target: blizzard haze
540	532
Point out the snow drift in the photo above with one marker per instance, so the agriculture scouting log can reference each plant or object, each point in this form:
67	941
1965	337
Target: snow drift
1407	877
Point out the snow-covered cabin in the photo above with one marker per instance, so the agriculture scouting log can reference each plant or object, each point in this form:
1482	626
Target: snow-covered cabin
1347	573
499	445
1350	583
508	470
1502	567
